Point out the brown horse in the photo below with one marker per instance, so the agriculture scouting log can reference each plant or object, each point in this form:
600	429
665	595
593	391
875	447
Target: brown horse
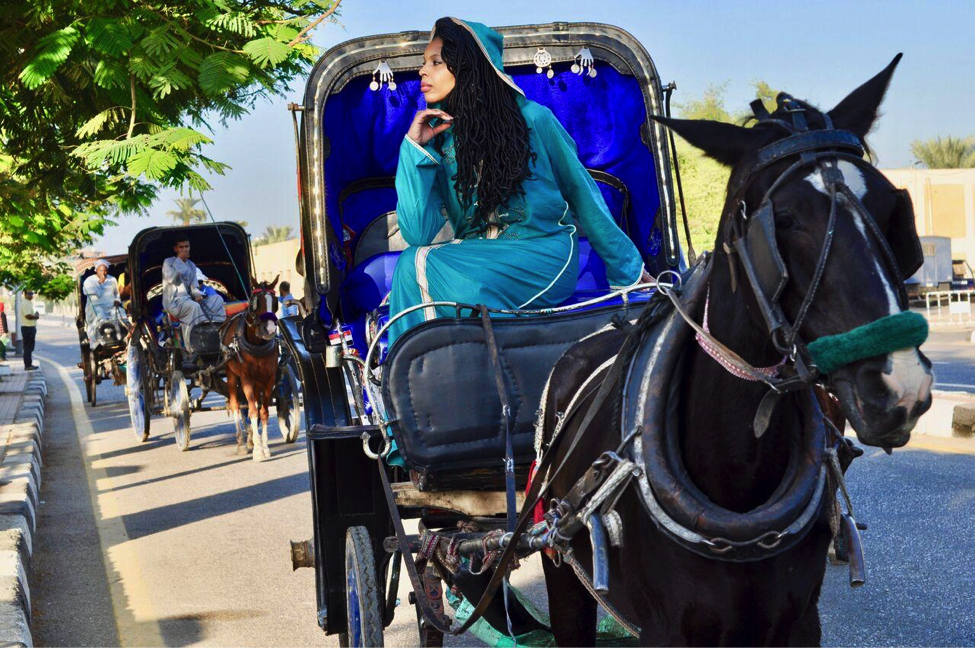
249	341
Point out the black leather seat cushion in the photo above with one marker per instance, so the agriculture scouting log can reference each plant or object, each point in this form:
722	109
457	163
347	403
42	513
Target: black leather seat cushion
440	391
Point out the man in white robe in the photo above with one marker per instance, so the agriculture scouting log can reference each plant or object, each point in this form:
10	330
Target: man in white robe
182	297
102	301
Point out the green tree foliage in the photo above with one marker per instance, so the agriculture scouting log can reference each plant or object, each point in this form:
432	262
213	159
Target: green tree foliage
274	234
704	179
187	212
709	105
103	102
948	153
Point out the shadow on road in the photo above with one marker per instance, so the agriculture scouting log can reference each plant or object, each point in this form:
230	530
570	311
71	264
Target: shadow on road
156	480
164	518
190	629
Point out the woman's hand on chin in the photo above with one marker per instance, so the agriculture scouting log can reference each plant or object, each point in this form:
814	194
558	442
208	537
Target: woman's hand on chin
421	131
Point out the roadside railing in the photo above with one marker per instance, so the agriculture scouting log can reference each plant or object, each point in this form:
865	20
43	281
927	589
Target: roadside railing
949	307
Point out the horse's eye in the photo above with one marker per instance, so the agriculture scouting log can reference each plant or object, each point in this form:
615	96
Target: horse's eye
785	220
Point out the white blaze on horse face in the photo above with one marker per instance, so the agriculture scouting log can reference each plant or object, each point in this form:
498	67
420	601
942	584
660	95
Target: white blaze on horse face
853	177
270	302
908	380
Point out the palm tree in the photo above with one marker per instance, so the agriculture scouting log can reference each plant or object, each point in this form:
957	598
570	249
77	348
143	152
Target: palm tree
187	212
948	153
274	234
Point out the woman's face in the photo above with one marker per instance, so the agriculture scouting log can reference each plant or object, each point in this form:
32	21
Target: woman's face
102	272
436	81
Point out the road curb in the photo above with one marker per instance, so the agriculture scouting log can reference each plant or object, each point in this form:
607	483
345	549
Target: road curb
20	489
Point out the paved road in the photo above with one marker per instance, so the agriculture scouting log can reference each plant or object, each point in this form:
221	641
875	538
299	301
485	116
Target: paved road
953	355
139	544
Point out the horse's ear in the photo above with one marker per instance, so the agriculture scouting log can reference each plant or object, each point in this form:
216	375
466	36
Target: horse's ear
858	111
726	143
275	282
254	282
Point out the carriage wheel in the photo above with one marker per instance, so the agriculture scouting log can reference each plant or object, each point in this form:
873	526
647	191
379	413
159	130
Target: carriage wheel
288	405
85	367
93	382
179	409
137	390
362	592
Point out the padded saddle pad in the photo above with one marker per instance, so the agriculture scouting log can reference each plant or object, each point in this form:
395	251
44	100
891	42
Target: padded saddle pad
439	387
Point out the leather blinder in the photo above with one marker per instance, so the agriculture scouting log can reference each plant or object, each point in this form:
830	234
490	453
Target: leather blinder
763	251
902	236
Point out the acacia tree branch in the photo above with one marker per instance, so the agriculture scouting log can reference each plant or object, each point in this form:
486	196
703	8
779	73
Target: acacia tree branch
128	135
302	35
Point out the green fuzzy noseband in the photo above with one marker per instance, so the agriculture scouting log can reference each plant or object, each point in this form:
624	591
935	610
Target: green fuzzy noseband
891	333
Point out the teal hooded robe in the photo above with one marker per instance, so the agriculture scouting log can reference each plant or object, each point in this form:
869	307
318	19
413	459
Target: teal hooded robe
531	263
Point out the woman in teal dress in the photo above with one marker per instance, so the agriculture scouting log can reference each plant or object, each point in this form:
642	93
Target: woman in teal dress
488	186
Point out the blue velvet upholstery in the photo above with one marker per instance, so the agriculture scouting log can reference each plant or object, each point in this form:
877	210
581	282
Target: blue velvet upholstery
603	114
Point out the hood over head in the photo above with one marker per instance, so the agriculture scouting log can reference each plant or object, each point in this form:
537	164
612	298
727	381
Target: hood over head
491	44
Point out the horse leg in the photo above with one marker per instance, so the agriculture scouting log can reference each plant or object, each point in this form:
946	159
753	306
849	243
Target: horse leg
571	608
265	414
252	415
234	405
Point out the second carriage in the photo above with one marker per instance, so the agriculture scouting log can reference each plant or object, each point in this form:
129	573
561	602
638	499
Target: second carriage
163	378
102	340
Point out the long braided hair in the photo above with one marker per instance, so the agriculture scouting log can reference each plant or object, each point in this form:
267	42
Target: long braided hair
490	133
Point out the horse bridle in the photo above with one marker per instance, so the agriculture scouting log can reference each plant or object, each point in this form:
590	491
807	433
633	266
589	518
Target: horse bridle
252	318
751	236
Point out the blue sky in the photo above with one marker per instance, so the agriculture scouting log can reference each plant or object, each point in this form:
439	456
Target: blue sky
817	50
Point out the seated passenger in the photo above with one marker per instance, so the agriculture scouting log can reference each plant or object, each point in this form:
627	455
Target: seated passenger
182	297
506	175
102	305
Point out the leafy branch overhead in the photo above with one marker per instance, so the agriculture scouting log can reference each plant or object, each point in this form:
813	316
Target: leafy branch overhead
103	102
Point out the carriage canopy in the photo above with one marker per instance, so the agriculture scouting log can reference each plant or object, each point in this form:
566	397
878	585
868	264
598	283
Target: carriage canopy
221	251
117	266
354	121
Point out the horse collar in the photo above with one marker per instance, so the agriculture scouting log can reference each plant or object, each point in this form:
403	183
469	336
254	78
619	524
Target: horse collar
676	506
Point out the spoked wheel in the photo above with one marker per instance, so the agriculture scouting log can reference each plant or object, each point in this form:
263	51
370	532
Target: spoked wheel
362	592
179	410
93	379
288	405
86	368
137	390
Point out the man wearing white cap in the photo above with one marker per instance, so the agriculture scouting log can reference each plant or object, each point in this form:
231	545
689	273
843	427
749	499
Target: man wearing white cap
102	303
182	297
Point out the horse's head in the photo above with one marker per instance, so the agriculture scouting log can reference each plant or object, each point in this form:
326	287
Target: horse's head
816	243
262	308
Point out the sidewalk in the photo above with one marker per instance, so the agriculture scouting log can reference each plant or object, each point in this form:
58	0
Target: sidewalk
21	423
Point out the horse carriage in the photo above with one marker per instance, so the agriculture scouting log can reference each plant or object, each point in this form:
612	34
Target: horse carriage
602	85
102	356
163	377
658	462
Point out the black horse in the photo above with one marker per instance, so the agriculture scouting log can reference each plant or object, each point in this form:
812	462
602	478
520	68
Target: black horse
681	597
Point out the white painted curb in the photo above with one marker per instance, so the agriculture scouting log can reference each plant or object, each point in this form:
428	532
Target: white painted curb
20	488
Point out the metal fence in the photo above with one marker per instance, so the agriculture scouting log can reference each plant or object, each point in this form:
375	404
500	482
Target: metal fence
949	307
